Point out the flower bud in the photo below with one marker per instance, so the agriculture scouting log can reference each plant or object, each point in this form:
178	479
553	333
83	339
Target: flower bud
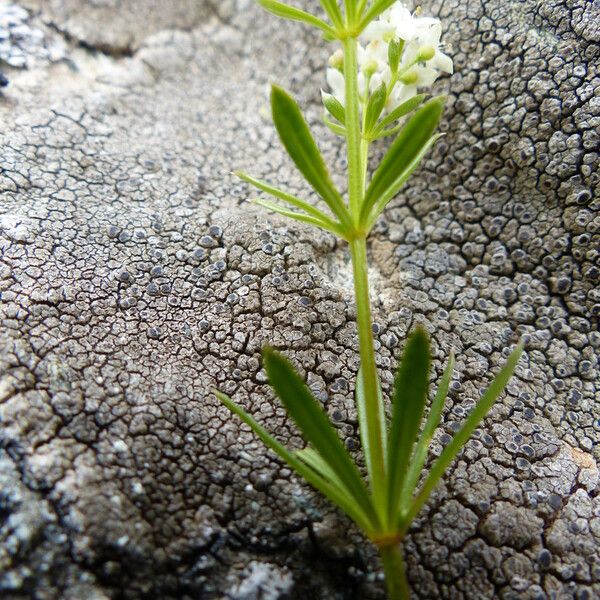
425	53
409	78
369	68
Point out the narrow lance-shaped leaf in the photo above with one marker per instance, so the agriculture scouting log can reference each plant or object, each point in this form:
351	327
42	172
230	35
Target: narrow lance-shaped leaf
303	150
285	196
422	447
394	52
462	436
400	111
334	107
410	392
302	217
314	460
399	182
333	11
374	107
406	147
351	7
315	426
361	407
361	7
331	491
374	11
334	127
285	11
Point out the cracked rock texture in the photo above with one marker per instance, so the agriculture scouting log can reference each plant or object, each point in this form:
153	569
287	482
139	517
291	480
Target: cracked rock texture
134	277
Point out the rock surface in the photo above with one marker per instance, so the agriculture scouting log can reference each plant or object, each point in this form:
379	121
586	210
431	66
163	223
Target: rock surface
134	277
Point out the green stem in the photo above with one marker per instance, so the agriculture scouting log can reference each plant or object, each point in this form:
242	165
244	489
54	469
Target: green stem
358	247
395	572
374	433
364	142
364	159
353	135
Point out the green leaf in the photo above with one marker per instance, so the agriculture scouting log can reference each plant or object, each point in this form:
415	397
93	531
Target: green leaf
315	461
304	218
303	150
333	11
400	111
334	107
394	51
374	107
403	176
285	11
374	11
351	6
334	127
449	453
312	421
410	393
331	491
422	447
361	7
292	200
361	407
402	153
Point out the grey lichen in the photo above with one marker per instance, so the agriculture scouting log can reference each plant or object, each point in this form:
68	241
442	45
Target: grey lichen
132	283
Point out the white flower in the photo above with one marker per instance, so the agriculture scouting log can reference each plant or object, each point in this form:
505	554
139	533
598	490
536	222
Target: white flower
421	62
400	94
426	40
373	65
405	24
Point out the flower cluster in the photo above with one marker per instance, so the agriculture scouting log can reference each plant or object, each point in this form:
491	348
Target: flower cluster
415	61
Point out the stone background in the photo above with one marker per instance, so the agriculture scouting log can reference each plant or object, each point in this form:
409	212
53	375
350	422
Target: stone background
134	276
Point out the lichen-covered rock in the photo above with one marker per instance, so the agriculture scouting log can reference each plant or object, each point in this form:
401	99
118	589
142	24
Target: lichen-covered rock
135	277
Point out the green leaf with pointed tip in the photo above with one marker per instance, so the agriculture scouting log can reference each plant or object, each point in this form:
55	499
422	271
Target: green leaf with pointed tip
333	11
461	437
314	460
317	216
374	11
402	153
400	111
351	6
361	407
403	176
422	447
302	217
312	421
334	107
394	51
361	7
331	491
408	402
334	127
374	107
303	150
285	11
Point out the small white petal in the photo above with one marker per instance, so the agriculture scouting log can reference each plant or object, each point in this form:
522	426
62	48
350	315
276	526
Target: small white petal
442	62
430	29
426	76
361	54
410	53
378	50
375	82
378	30
362	84
401	94
404	22
336	82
